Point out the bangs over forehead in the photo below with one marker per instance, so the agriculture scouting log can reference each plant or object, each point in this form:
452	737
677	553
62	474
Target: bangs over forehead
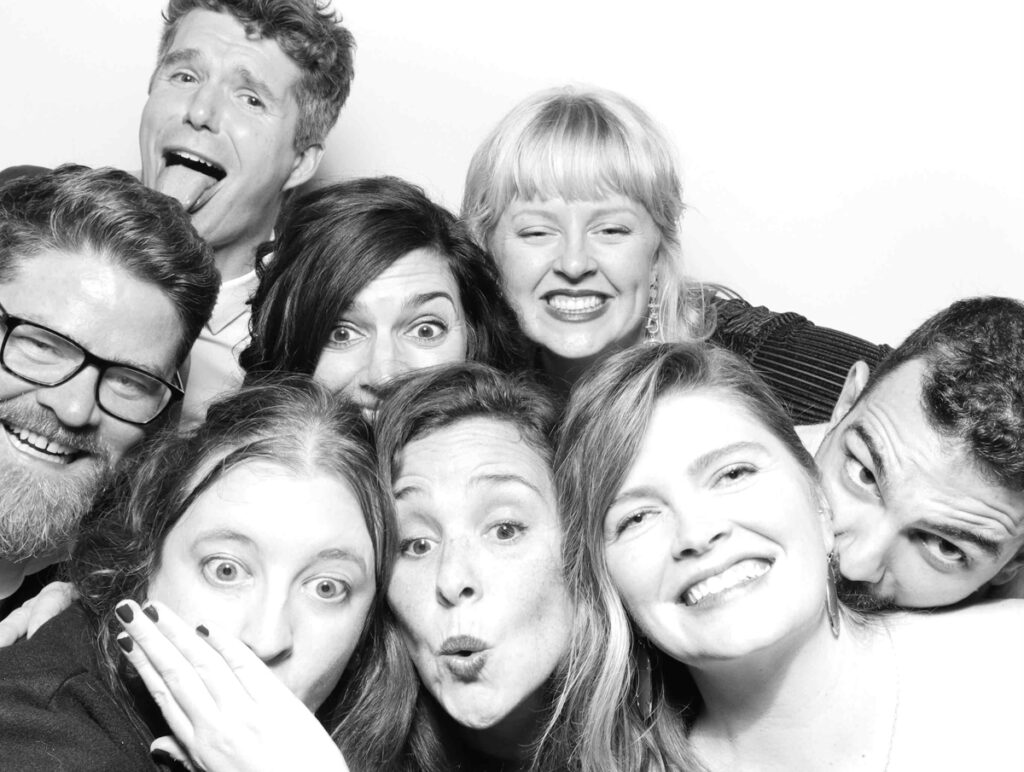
580	147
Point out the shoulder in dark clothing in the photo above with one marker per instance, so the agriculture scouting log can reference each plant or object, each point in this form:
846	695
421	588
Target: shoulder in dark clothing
56	713
805	365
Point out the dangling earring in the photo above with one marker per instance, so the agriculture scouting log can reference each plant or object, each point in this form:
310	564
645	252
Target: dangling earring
644	680
832	594
653	328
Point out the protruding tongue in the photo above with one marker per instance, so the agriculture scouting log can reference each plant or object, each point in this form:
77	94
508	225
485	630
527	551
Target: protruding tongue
184	184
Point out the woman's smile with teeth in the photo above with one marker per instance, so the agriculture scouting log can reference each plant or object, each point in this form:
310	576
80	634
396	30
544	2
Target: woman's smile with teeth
570	303
740	573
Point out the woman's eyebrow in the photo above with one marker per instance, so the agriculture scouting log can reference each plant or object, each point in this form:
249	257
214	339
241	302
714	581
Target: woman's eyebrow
338	553
425	297
705	461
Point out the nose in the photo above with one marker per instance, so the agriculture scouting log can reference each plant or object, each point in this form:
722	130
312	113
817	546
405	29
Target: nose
267	629
574	260
457	577
73	402
387	360
863	553
203	108
696	534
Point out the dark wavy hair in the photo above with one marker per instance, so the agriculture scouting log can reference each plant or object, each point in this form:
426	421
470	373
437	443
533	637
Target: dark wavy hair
973	389
107	212
309	33
333	241
288	421
406	729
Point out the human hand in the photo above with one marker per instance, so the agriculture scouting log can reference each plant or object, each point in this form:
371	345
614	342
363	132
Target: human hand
35	612
226	709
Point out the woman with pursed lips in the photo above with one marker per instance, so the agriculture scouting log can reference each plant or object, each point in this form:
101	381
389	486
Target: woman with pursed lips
477	590
189	539
704	540
369	279
576	194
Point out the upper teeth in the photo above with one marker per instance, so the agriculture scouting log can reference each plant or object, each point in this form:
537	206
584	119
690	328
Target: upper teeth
197	159
575	302
729	578
39	442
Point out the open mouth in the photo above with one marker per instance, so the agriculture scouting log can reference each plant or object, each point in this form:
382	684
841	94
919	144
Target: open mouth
575	306
38	446
737	575
189	178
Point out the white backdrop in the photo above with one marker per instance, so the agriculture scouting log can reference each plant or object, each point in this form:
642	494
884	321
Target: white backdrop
862	163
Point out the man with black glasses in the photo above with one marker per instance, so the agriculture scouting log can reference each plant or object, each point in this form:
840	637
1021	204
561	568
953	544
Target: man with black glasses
104	286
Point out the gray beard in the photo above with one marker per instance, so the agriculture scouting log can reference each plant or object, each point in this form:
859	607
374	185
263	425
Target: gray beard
40	516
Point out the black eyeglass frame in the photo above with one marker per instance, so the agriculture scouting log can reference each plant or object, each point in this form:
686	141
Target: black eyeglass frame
11	322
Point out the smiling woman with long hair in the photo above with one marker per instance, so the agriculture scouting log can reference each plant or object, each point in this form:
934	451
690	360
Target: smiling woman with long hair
703	541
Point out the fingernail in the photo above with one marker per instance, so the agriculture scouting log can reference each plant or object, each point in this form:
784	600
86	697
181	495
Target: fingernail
150	611
201	629
125	642
124	613
165	760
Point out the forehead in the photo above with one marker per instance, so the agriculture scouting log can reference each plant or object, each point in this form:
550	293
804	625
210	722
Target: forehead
219	41
475	456
418	276
925	470
99	304
613	203
688	424
250	501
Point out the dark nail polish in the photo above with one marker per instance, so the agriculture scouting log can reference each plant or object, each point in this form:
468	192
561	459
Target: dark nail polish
125	642
150	611
124	613
203	631
165	761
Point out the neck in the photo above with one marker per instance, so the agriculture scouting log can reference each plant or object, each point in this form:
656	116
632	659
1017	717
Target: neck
808	698
565	371
239	257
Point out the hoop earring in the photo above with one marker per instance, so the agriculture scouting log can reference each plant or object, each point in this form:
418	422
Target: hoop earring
832	595
653	327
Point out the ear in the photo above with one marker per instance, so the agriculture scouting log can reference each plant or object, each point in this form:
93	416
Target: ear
305	166
856	380
1011	570
828	533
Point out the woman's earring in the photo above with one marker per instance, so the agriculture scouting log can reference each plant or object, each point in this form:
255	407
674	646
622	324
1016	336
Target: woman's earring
644	681
653	328
832	594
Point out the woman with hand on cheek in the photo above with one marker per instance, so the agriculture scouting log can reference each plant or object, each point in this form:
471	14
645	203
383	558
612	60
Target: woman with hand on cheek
704	540
267	525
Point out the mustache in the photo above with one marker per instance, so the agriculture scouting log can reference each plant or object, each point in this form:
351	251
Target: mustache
40	421
860	596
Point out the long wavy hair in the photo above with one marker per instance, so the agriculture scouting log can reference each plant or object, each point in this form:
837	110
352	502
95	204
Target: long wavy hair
586	144
629	705
290	422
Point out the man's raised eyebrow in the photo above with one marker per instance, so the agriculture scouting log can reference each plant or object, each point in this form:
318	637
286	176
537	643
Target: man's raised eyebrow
877	461
986	544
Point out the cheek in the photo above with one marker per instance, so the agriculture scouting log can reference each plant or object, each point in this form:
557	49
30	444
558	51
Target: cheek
119	437
408	597
337	372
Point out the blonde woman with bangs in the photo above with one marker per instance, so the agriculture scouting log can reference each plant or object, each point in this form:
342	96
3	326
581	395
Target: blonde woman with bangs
576	194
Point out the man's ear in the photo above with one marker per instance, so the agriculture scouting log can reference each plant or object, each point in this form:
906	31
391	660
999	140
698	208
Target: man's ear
305	166
856	380
1011	570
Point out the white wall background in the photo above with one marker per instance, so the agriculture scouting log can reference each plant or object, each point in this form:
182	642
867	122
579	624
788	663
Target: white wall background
862	163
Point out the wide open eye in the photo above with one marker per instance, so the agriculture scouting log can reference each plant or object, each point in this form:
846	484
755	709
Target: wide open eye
508	530
225	571
344	335
941	549
862	477
416	547
327	588
428	331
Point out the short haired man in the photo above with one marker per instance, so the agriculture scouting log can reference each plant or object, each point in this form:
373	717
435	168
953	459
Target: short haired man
241	101
924	461
104	286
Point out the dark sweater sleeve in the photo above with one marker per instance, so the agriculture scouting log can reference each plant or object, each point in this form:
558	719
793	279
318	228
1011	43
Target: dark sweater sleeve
805	365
